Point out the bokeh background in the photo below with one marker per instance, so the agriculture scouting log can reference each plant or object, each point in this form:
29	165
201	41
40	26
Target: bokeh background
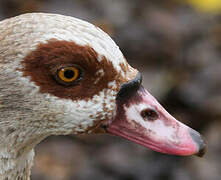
176	44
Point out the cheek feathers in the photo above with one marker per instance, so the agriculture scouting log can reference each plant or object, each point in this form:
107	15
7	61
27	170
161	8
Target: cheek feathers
97	74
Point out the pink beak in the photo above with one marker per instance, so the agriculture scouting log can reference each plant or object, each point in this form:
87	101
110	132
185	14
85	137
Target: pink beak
141	119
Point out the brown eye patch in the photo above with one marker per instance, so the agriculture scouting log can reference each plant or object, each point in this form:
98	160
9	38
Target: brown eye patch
40	65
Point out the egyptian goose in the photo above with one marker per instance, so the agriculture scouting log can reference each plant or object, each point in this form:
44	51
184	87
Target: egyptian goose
60	75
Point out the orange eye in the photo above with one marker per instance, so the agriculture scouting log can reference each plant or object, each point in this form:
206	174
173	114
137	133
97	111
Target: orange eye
68	74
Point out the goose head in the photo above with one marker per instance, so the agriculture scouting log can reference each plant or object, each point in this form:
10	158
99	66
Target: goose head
60	75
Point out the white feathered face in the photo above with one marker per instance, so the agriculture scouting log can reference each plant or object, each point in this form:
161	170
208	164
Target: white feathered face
72	78
80	83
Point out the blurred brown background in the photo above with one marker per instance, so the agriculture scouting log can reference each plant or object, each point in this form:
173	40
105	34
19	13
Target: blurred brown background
177	46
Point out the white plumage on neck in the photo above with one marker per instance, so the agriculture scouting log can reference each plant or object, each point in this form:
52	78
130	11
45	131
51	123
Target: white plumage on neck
28	116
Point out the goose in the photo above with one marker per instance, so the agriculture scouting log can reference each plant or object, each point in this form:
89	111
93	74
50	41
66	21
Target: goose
60	75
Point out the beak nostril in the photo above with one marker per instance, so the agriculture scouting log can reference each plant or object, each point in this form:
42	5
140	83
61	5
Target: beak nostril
149	114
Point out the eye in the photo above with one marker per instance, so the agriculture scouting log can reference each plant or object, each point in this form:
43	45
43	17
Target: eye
68	75
149	114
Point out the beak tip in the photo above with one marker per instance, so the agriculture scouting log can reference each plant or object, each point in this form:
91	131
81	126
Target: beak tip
199	141
202	148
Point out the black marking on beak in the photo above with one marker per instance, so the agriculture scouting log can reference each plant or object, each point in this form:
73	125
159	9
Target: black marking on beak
129	88
200	142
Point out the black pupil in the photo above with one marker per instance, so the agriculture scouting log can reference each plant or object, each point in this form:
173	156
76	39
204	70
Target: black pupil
68	74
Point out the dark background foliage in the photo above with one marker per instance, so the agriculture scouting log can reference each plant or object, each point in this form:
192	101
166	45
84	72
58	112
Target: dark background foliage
177	48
